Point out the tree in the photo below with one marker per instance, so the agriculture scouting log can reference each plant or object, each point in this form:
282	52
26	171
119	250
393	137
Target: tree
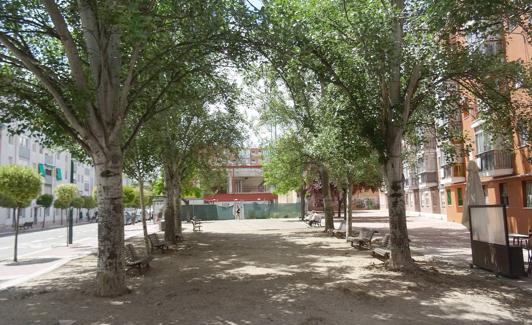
65	194
80	68
128	196
45	200
8	203
203	127
20	184
141	165
88	203
77	203
288	168
393	64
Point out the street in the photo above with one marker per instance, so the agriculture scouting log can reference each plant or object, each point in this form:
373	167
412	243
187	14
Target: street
43	251
29	243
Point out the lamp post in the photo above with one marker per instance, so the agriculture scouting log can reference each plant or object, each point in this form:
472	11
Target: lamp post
70	234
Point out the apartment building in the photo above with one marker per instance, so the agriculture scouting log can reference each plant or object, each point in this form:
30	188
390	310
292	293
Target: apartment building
245	173
53	166
506	174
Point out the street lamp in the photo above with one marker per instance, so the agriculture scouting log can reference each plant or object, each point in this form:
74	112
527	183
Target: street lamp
70	234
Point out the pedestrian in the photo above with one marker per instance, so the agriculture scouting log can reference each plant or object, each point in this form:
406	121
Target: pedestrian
237	212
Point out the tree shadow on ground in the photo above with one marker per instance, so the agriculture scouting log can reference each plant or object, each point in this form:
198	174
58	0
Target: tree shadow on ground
33	261
300	277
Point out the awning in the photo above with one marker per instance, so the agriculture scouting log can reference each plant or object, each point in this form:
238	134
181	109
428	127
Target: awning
58	174
41	170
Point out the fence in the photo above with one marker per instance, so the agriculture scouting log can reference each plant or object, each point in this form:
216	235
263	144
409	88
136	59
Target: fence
248	211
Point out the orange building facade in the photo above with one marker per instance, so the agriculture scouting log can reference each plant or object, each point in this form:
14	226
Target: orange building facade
506	175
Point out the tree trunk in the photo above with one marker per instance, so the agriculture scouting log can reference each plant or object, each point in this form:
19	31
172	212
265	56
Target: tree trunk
110	276
345	201
400	248
44	217
339	199
143	216
397	115
349	203
169	213
326	193
178	221
16	235
302	205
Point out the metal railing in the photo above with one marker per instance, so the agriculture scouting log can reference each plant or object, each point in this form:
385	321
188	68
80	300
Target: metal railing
428	177
495	159
454	170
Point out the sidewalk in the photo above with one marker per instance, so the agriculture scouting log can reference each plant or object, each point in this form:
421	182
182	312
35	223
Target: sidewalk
7	230
46	260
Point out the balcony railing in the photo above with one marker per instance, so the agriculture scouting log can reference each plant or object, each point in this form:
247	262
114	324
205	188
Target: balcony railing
411	182
454	170
49	160
428	177
495	159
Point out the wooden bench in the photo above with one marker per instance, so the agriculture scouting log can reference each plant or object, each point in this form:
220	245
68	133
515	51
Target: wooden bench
196	224
381	253
363	240
156	243
133	260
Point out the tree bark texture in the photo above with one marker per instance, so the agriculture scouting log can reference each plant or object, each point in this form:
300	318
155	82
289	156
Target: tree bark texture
110	276
327	201
302	193
349	216
396	120
400	248
178	221
169	213
340	200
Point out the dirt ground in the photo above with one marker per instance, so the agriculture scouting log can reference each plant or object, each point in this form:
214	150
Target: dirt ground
282	272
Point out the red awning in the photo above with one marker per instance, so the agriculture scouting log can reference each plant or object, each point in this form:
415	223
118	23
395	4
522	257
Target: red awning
240	197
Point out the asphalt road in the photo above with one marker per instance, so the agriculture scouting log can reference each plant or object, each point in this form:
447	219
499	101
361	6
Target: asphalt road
32	242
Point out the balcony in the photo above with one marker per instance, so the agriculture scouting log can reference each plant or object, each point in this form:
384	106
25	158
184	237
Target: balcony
411	183
453	173
495	163
49	160
428	179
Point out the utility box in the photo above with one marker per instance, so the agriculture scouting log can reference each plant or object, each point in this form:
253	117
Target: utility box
489	242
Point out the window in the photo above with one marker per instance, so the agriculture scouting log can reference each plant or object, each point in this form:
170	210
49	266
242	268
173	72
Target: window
482	141
34	147
523	133
527	191
10	160
58	155
460	197
10	139
425	202
503	192
485	189
449	198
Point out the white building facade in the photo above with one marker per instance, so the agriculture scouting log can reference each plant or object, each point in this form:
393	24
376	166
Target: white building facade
53	166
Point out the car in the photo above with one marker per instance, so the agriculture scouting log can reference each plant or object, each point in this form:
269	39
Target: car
128	218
